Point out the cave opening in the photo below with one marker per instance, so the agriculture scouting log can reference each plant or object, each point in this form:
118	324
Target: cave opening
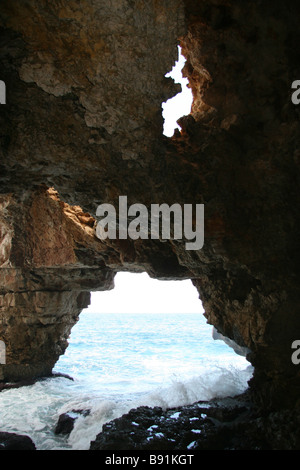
149	337
180	105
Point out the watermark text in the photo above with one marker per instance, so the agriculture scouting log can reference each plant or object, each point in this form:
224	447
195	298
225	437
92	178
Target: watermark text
296	94
2	92
296	354
2	352
164	222
155	459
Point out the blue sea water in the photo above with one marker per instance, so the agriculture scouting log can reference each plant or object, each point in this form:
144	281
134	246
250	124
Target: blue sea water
119	362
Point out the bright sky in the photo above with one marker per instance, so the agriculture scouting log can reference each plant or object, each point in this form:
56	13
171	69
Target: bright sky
181	104
138	293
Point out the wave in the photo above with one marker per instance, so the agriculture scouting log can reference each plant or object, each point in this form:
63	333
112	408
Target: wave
216	383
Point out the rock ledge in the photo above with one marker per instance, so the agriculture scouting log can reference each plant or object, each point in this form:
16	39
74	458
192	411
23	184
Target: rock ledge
222	424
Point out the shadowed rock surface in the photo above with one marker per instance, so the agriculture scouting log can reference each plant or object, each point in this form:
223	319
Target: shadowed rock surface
83	126
66	421
11	441
237	349
224	424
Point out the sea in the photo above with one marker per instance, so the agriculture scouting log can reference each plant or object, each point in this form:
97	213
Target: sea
119	362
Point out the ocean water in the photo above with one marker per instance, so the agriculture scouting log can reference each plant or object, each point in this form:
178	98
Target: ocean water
119	362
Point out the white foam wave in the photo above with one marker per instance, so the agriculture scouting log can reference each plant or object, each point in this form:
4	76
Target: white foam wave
217	383
119	363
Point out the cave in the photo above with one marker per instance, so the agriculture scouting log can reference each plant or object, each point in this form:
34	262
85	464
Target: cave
82	125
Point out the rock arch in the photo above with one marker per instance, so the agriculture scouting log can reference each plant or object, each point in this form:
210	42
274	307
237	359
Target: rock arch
85	118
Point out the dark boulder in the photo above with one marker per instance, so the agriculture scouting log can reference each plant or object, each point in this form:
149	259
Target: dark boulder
11	441
66	421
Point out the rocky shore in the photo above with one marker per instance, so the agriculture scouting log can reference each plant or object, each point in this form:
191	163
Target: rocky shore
229	423
223	424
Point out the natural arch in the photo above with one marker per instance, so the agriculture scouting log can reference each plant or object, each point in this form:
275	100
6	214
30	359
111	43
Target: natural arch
92	128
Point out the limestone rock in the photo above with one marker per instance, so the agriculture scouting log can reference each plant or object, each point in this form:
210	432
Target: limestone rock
83	126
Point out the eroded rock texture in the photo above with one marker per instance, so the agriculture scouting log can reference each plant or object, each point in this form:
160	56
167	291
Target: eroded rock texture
85	82
224	424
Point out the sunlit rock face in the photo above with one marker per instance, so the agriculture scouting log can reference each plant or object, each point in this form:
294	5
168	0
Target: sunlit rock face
43	279
85	83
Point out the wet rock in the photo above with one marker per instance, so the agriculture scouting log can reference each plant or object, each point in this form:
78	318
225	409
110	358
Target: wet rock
67	420
193	426
11	441
225	424
27	383
9	386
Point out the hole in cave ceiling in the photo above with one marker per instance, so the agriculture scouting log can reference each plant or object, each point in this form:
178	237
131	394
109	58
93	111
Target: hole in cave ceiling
180	105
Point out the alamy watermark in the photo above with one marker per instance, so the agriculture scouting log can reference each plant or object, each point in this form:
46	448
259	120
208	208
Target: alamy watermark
296	94
2	92
164	222
296	354
2	353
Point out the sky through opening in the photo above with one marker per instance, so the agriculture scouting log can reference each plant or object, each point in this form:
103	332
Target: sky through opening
181	104
138	293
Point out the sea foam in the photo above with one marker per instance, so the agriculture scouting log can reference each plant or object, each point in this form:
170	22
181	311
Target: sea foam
120	362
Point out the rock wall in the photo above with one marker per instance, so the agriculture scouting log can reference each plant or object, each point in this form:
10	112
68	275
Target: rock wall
83	125
43	279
